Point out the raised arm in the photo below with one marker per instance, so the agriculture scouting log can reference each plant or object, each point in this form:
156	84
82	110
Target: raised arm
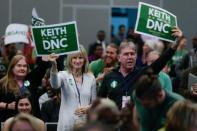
54	78
158	65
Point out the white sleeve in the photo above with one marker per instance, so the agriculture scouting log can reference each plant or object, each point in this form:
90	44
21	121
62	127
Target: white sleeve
93	90
55	79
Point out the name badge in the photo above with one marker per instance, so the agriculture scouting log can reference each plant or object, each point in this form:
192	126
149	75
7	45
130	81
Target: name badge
125	100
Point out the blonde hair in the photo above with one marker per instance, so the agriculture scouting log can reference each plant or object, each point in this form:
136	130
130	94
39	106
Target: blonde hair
8	82
182	116
83	53
27	118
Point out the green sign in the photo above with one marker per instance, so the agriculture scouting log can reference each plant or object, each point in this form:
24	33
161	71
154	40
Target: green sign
155	21
59	39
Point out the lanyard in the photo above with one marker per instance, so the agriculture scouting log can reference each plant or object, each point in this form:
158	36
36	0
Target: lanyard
79	96
23	89
126	83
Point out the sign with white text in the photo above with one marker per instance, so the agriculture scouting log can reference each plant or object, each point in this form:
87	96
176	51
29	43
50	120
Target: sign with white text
16	33
155	21
59	38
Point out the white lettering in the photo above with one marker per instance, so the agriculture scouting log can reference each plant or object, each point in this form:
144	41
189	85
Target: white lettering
50	32
62	43
46	44
54	31
63	30
158	26
168	18
159	14
164	28
150	12
43	31
150	24
53	44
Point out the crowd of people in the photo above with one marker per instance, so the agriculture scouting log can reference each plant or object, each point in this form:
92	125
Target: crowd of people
128	84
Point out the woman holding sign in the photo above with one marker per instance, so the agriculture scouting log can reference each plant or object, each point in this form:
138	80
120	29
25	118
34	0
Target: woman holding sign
78	89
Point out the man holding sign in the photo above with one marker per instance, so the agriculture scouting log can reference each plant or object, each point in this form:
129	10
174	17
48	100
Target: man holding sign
151	101
119	83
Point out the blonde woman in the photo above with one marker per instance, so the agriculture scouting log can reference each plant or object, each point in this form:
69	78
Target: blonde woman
78	89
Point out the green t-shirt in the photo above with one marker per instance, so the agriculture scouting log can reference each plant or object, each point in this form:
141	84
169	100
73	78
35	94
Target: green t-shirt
97	67
154	118
165	81
177	57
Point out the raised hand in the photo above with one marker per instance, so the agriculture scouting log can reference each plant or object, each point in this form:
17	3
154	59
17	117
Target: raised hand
52	57
177	32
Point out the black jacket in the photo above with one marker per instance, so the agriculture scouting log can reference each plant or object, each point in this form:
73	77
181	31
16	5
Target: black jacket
125	85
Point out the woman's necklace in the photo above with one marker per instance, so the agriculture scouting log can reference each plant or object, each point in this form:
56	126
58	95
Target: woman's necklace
79	79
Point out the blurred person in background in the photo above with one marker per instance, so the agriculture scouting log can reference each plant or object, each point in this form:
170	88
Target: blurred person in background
184	89
176	61
106	112
189	60
24	122
121	35
50	108
97	52
164	78
24	105
152	102
151	45
93	126
182	116
101	40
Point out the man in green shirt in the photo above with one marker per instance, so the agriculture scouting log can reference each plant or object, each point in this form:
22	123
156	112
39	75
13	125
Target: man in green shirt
105	64
152	102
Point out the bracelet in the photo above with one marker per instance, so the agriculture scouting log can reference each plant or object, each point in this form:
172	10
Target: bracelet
6	106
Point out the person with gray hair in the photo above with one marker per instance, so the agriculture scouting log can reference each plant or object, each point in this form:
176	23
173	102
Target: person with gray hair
127	57
164	78
118	84
151	45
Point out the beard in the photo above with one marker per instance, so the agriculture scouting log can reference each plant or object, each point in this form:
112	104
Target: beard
109	61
